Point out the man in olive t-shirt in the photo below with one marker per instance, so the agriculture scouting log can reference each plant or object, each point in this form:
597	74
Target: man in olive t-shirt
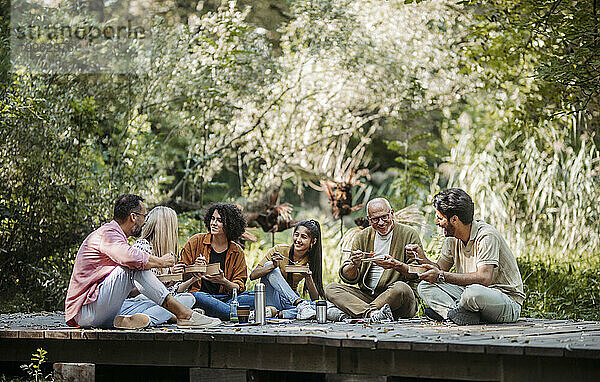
487	285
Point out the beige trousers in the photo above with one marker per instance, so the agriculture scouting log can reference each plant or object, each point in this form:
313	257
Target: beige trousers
493	305
356	303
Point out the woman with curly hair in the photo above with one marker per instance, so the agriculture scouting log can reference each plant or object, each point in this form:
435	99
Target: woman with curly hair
226	224
281	286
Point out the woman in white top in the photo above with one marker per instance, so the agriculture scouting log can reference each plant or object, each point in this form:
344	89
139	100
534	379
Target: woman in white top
159	237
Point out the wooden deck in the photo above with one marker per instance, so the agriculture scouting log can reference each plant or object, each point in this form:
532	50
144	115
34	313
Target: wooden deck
529	350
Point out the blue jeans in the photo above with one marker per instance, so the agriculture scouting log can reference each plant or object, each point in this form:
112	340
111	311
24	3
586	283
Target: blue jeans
279	293
158	315
217	305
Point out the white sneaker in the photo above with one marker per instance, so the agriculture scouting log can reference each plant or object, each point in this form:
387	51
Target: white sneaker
198	321
335	314
135	321
305	311
382	315
270	311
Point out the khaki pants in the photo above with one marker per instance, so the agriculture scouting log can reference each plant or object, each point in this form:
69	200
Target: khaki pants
493	305
356	303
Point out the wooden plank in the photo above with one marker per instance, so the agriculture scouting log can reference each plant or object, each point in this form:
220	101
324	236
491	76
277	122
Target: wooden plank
9	333
140	336
31	334
260	338
325	341
364	343
168	336
504	349
416	364
545	350
430	346
58	334
84	335
202	374
111	335
228	337
290	339
466	348
549	369
198	336
395	345
354	378
278	357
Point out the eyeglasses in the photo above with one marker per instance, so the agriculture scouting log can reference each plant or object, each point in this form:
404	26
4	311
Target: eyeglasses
141	214
375	220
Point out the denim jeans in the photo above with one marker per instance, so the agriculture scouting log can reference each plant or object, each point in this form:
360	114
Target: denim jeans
279	293
113	291
218	305
493	305
158	315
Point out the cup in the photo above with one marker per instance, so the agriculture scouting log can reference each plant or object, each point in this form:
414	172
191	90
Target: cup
243	312
321	306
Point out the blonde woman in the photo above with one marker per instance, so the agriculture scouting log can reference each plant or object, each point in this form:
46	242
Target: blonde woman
159	237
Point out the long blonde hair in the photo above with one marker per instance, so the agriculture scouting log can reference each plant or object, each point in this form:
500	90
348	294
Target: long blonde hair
161	231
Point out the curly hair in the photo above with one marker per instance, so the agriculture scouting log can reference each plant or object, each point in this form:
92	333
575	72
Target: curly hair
234	222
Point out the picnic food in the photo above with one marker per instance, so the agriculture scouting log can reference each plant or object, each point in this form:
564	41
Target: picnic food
297	268
416	268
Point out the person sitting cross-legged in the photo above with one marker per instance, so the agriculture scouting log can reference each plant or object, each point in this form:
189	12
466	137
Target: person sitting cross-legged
213	293
280	285
487	285
107	269
384	286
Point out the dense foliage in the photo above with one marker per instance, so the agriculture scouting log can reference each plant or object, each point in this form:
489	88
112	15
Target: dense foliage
403	98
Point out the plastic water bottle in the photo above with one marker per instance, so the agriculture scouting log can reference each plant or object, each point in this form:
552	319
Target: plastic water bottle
233	305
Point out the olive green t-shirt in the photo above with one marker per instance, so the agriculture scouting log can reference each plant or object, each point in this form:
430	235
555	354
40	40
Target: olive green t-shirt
486	246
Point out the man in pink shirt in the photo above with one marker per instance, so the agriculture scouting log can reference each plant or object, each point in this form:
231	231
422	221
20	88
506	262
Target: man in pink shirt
107	269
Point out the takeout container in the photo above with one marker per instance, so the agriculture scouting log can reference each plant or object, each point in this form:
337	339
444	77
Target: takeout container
210	269
167	277
296	268
213	269
413	268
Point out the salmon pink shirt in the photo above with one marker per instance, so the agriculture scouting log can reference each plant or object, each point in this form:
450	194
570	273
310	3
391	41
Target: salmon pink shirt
101	252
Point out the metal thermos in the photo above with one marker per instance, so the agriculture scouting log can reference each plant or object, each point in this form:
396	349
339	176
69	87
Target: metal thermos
259	304
321	311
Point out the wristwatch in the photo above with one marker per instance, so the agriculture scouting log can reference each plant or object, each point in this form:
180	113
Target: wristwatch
441	278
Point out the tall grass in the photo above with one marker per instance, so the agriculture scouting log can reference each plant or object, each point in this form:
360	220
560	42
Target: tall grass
541	187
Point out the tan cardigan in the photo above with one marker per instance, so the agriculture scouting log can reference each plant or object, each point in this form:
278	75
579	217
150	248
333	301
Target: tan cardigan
365	241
